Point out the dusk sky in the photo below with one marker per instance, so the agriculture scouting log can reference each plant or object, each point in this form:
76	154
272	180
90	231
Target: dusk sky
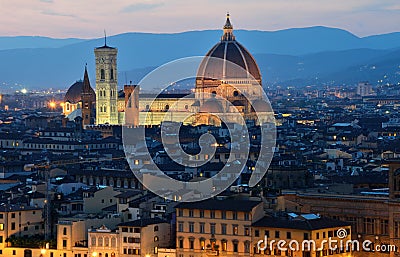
88	18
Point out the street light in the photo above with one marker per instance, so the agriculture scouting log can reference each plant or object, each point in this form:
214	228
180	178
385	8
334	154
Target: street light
94	254
43	251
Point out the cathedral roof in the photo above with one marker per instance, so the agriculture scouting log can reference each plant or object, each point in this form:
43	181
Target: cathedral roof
212	106
217	64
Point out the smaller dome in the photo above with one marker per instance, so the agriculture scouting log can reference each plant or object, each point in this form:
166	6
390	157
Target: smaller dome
260	106
74	92
212	106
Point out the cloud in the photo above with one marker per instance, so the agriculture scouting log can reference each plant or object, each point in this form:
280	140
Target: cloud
47	1
53	13
141	7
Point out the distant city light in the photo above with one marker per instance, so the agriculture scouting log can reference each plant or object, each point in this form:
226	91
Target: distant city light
24	91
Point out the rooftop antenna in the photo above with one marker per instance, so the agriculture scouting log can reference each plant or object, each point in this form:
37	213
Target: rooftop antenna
105	38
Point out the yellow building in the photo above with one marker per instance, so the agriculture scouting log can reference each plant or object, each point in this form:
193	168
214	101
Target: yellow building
304	235
19	221
213	227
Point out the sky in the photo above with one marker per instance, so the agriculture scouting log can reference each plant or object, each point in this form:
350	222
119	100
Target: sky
89	18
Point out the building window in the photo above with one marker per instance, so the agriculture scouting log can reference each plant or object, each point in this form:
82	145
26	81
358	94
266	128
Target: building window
180	226
180	213
13	215
289	235
64	243
190	213
64	231
191	227
246	231
201	214
212	228
156	239
235	246
181	243
246	216
167	107
112	74
224	245
223	215
223	229
266	233
202	231
247	246
155	228
235	229
234	215
276	234
369	226
102	74
191	243
202	243
212	214
256	233
13	226
384	227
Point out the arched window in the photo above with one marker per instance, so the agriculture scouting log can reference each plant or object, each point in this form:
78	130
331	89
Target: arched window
235	93
167	107
214	93
113	242
112	74
156	239
93	241
155	228
102	74
64	231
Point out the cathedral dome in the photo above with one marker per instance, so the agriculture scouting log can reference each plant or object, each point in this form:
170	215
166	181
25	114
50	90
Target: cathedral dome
215	64
74	93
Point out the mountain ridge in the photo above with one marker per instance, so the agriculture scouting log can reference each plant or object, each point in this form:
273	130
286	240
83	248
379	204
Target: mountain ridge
325	50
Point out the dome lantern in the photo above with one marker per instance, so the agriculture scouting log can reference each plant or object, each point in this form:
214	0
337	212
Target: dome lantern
228	30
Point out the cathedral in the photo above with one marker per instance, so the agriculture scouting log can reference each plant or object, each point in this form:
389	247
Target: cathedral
215	80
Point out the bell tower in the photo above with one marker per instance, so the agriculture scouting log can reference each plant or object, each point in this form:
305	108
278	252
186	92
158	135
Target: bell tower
87	100
106	84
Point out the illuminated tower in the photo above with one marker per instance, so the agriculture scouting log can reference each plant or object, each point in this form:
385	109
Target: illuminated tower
106	85
88	98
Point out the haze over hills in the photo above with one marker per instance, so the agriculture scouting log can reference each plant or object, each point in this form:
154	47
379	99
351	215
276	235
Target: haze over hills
316	55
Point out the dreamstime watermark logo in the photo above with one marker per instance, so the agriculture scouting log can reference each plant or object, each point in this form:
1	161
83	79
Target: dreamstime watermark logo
226	96
341	243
